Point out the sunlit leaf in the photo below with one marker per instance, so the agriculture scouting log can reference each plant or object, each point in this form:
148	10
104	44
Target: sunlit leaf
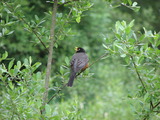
78	19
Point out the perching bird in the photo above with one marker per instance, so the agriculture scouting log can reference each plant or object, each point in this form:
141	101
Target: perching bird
79	62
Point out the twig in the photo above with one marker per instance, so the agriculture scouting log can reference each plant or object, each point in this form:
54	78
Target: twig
156	105
104	55
35	33
156	111
54	95
151	103
135	66
40	40
57	93
93	63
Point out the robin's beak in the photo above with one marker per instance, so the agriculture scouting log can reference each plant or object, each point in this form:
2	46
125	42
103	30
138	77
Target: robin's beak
76	48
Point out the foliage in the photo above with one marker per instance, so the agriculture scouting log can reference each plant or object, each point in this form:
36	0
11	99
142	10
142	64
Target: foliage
107	90
21	89
140	53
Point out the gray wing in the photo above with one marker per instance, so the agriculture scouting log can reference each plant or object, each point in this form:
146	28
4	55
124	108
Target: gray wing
79	60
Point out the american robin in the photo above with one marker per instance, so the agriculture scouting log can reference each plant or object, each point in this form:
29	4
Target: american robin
79	63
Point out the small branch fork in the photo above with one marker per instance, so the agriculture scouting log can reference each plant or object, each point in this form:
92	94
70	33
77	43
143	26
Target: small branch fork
152	107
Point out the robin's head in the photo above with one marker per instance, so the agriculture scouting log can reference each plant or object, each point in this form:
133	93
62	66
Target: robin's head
79	49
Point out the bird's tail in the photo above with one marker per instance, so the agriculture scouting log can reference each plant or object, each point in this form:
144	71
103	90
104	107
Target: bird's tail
72	77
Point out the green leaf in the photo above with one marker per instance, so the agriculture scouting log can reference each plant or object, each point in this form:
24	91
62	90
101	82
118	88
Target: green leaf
3	31
15	71
61	70
9	23
134	4
4	55
18	65
118	26
117	45
78	19
146	97
17	7
131	24
26	62
105	46
41	22
135	36
7	10
36	17
35	66
39	103
142	37
30	60
127	60
109	49
39	75
136	9
67	60
130	2
55	45
10	64
128	30
11	85
140	59
118	36
48	110
124	24
10	32
123	55
148	33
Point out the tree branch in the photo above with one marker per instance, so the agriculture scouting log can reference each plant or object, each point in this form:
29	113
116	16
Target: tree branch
57	93
40	40
22	19
93	62
140	79
63	86
49	62
156	105
135	66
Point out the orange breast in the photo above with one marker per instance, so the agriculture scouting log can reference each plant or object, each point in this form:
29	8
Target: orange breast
85	67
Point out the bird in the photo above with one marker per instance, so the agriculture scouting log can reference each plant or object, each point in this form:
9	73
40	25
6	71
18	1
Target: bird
78	63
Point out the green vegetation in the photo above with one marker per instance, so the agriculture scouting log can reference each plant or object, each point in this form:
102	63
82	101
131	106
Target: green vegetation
122	41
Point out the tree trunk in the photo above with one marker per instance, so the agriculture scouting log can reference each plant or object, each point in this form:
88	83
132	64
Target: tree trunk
49	62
